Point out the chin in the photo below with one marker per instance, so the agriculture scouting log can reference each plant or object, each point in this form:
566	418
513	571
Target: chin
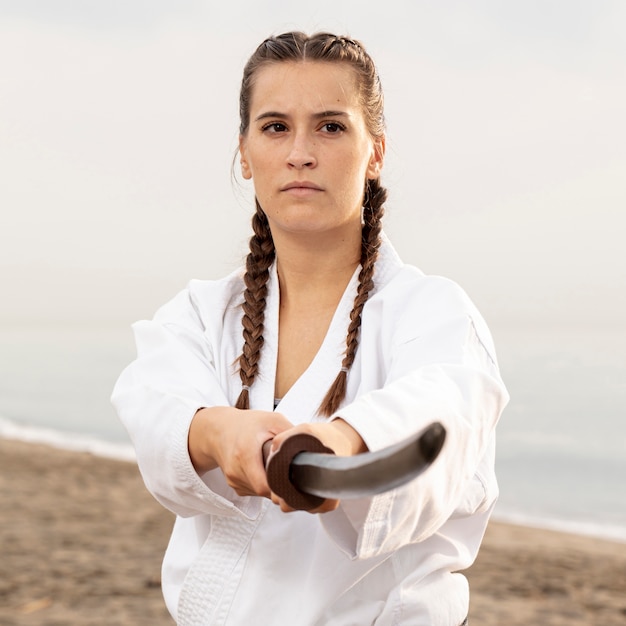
310	223
313	223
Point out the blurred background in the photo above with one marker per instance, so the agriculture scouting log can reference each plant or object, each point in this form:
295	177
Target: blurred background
506	168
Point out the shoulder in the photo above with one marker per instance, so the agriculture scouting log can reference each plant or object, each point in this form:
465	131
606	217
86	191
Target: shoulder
409	304
428	293
225	292
407	288
413	303
205	300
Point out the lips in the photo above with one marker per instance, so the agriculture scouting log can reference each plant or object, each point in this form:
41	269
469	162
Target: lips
301	184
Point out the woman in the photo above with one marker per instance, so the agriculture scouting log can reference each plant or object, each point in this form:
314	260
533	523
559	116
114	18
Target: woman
340	340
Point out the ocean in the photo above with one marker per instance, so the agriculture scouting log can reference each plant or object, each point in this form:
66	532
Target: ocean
561	456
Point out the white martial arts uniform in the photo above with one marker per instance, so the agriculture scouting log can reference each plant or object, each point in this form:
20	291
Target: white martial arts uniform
425	354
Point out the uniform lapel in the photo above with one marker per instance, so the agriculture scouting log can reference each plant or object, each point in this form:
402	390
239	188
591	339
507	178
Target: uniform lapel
301	402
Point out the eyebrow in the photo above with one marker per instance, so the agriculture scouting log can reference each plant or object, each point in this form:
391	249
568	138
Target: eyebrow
278	114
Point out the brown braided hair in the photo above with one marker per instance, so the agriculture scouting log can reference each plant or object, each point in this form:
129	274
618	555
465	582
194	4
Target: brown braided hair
375	196
258	262
326	47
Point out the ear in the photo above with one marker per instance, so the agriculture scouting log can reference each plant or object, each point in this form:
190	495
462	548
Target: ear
245	167
375	165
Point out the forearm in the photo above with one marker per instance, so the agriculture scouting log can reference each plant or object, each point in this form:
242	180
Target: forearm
353	441
460	481
203	435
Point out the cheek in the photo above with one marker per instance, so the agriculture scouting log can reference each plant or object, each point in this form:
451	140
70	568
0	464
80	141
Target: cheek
264	180
263	163
355	175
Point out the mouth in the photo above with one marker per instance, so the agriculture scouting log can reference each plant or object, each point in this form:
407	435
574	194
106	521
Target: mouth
301	184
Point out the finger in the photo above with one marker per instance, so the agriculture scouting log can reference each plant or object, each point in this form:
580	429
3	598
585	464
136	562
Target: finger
286	433
280	423
257	478
327	506
284	507
245	489
238	484
250	483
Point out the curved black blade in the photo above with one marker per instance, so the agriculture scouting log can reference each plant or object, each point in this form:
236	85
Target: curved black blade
370	473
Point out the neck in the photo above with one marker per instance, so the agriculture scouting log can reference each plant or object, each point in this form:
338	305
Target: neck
316	265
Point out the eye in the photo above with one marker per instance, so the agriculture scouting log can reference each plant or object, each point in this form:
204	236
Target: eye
274	127
333	128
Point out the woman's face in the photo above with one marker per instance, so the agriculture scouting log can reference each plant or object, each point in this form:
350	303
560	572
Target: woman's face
307	148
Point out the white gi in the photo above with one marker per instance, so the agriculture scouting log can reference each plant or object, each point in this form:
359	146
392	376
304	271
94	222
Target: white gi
425	354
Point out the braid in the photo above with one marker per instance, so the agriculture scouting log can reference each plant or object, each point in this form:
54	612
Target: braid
258	263
329	48
375	196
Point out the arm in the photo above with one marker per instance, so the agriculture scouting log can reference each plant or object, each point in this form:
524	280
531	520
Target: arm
231	439
173	405
443	369
337	436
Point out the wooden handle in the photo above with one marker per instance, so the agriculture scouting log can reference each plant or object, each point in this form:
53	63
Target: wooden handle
278	469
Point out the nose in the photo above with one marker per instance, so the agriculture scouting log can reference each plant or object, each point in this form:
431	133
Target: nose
302	153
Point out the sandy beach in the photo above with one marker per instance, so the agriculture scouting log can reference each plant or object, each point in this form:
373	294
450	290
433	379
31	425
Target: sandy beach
82	543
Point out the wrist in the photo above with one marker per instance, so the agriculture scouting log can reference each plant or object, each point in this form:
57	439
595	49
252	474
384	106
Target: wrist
201	437
354	441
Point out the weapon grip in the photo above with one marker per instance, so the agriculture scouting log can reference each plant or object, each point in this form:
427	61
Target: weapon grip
278	469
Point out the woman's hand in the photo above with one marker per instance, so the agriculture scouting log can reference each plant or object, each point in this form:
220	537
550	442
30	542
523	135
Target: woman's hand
337	435
232	439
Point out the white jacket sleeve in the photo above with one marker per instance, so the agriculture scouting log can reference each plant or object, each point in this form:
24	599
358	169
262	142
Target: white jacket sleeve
442	367
156	398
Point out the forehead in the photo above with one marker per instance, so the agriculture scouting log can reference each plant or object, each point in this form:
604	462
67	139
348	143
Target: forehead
308	84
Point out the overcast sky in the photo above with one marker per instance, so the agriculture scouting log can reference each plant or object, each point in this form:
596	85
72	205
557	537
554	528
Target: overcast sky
506	149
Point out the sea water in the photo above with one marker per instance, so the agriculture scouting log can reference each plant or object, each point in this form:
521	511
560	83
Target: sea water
561	458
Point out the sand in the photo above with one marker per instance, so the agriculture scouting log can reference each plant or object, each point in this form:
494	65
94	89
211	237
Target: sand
82	543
